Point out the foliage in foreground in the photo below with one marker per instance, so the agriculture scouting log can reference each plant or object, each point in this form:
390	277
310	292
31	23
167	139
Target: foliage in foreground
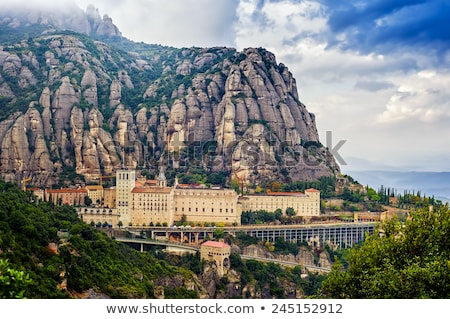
404	260
30	267
12	282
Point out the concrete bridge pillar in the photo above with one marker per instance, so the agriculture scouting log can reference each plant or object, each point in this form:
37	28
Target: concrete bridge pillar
196	238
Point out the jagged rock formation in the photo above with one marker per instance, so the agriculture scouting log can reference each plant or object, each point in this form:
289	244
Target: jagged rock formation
64	16
304	256
74	105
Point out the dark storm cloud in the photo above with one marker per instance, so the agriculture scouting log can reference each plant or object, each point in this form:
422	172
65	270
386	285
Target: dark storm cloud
389	25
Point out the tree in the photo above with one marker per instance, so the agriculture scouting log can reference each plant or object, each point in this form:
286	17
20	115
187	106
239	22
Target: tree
275	186
290	212
87	200
235	185
12	282
278	214
219	233
400	260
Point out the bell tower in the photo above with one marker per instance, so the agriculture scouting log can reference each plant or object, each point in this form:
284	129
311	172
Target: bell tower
125	182
162	181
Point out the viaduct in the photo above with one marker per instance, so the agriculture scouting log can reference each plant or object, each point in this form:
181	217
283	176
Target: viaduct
342	235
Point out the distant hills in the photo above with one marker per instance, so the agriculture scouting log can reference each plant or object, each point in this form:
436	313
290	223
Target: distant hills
428	183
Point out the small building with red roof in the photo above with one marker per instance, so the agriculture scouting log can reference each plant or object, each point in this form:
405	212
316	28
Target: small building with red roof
218	252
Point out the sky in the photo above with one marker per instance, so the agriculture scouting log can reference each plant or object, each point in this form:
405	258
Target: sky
376	73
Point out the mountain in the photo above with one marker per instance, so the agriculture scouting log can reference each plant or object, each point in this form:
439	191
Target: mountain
78	100
435	184
36	18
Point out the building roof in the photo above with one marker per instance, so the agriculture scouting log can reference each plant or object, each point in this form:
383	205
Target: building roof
312	190
285	193
192	186
66	190
202	187
216	244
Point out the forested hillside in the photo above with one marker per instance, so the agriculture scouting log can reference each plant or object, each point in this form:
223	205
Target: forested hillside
46	251
59	267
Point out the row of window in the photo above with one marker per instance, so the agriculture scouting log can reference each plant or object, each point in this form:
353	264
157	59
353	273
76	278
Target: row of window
151	196
149	204
122	203
210	253
98	213
199	193
156	209
220	210
98	210
203	203
141	213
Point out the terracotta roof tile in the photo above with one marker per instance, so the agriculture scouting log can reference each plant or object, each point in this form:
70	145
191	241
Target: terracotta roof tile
217	244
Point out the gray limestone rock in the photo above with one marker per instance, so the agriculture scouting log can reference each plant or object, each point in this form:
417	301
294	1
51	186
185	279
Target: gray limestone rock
95	108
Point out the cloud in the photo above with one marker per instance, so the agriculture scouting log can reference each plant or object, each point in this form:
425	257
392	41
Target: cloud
424	96
375	72
386	25
277	24
373	86
40	4
178	23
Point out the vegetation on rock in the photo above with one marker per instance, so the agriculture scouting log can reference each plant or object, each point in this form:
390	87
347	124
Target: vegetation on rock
35	257
408	259
70	103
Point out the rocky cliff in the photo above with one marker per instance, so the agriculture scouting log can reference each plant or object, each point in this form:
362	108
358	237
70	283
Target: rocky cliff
70	104
56	16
